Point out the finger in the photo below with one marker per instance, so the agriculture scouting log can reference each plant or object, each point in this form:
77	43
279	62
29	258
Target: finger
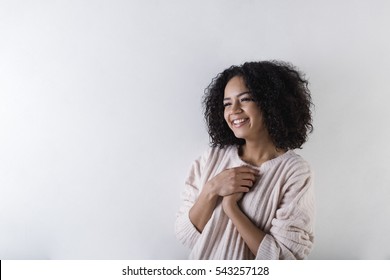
248	176
246	183
243	189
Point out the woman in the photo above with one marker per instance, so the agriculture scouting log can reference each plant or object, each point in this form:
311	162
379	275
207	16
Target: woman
250	195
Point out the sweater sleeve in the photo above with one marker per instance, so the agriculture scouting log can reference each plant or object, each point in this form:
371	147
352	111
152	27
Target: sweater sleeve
291	232
185	231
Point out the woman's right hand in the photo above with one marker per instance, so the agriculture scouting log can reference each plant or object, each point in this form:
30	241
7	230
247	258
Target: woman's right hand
232	180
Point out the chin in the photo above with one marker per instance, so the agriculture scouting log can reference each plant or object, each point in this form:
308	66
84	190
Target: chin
239	136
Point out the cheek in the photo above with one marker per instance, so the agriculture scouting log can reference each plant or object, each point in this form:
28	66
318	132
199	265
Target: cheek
226	117
257	116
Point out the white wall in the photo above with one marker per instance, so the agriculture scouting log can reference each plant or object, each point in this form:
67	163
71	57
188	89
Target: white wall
100	118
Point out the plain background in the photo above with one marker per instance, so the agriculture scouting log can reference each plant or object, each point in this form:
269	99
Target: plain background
101	118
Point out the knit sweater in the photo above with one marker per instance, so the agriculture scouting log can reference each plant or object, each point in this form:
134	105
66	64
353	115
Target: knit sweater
281	204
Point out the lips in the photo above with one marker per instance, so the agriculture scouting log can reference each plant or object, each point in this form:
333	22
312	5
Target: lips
239	122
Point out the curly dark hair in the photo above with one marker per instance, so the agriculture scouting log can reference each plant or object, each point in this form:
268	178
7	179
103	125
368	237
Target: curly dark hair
282	94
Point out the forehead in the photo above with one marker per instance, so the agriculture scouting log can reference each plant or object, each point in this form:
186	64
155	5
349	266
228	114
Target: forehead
234	87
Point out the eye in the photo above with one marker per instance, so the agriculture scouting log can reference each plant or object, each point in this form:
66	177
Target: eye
226	104
247	99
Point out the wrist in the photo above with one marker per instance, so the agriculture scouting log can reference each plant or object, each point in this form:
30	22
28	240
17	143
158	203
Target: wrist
229	205
209	191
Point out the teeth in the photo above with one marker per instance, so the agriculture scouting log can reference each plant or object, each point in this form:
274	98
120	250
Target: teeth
238	121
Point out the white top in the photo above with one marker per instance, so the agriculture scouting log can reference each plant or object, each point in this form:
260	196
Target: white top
281	204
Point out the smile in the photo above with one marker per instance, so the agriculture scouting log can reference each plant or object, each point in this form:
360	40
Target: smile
239	122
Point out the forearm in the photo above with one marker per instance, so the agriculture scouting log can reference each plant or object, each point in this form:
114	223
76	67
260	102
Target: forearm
201	211
251	234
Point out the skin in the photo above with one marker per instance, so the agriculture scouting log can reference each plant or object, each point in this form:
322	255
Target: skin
245	119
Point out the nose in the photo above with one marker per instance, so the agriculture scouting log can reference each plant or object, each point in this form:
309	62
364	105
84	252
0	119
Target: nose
235	108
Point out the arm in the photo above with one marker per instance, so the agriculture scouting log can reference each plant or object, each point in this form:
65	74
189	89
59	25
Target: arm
203	208
251	234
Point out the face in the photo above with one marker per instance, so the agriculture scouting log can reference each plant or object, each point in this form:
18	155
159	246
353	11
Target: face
241	112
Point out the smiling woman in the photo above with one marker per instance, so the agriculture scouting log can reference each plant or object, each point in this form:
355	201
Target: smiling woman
250	196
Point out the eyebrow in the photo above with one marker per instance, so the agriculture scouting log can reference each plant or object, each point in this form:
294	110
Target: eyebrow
238	95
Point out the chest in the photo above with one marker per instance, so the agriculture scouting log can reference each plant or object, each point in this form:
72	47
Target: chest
262	201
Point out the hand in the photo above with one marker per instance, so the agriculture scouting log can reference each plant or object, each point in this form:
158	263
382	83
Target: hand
233	180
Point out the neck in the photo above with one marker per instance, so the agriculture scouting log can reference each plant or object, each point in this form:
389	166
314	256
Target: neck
256	153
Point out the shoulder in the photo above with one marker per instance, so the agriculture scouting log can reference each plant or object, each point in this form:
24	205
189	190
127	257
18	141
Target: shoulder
295	164
215	154
296	159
